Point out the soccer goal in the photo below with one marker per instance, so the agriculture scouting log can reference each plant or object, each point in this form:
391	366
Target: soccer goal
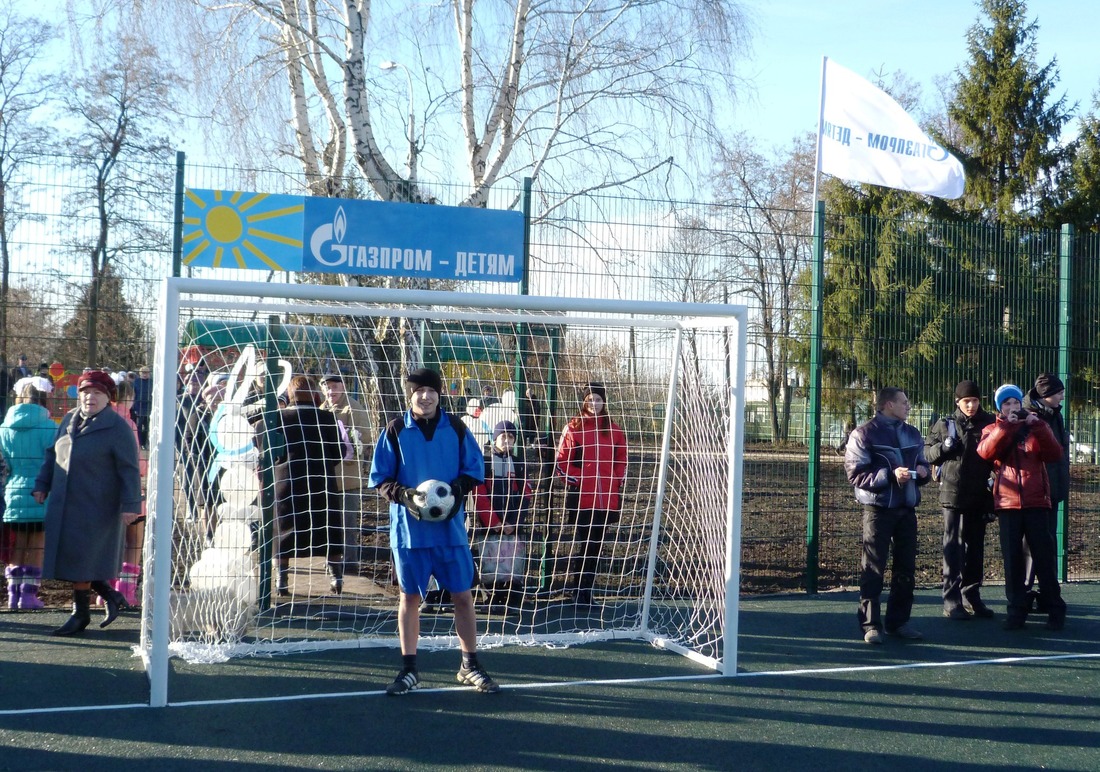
232	569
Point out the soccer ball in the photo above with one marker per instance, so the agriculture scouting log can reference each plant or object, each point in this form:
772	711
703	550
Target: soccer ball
435	499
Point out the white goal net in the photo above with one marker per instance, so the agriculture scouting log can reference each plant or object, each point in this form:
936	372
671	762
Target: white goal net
264	536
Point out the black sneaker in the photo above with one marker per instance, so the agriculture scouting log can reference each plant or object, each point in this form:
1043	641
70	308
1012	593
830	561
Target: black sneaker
406	681
980	610
906	631
477	677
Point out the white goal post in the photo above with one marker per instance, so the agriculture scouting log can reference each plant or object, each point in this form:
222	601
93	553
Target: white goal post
228	572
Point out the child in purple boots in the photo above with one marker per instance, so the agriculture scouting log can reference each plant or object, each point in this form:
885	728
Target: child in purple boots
25	434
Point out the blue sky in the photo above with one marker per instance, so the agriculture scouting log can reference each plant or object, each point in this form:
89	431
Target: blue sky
921	39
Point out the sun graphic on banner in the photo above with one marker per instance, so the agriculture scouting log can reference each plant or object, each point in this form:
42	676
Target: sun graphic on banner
236	229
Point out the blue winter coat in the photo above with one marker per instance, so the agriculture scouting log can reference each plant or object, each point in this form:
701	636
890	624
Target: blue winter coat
25	436
874	450
143	396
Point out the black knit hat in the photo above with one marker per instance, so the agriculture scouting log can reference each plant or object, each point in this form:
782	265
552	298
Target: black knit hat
423	377
967	389
1048	384
597	389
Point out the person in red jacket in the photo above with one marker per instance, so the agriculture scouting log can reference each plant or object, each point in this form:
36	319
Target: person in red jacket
1020	445
591	458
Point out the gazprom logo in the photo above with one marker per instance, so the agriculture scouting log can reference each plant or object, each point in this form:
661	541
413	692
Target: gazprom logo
328	248
906	147
326	233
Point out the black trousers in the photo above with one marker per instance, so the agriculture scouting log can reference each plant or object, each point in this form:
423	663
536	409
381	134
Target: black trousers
1029	564
883	527
963	556
590	528
1032	525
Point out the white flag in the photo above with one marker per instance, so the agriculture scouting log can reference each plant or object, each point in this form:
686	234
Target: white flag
866	136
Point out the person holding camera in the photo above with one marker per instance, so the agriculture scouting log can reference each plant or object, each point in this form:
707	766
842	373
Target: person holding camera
427	443
1020	444
885	464
966	500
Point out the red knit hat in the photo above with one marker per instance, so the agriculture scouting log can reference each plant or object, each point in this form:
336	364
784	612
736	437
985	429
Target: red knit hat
97	379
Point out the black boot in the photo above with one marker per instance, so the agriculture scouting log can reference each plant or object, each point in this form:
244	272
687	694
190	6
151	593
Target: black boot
113	601
81	616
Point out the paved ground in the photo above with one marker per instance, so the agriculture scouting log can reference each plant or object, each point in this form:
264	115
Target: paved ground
810	695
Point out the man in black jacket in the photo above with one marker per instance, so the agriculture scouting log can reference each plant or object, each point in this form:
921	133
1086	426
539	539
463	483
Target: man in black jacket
966	500
885	464
1045	400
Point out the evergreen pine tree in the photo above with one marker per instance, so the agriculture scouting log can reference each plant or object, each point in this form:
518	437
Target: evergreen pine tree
120	333
1082	179
1006	125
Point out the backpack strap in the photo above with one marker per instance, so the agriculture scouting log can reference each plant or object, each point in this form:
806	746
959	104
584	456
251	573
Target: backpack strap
392	428
395	426
460	428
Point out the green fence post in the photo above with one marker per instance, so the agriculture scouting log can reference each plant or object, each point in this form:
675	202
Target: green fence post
177	223
813	418
525	279
522	345
1064	277
272	448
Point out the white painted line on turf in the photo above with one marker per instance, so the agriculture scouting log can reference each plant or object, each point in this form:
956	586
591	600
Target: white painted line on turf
564	684
71	709
915	665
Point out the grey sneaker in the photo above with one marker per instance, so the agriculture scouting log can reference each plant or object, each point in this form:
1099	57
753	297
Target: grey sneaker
906	631
406	681
873	636
477	678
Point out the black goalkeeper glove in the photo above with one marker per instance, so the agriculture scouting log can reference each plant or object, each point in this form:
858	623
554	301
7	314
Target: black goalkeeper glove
459	491
407	498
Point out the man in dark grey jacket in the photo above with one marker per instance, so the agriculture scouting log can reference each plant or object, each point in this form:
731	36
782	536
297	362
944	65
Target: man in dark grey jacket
885	464
967	501
1045	400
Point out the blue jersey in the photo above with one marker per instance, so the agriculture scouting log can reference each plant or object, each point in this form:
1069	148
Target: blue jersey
446	456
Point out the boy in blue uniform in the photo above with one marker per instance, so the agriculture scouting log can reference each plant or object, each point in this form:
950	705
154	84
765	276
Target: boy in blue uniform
427	444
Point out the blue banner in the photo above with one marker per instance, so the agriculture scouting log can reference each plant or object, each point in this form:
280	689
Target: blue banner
335	235
236	229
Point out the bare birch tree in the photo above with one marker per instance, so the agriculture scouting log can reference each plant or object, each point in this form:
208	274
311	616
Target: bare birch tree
582	94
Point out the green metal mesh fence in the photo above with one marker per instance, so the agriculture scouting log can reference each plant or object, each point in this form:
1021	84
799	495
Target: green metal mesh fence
919	304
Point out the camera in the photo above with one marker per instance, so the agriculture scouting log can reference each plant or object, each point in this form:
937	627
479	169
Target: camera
1022	414
912	474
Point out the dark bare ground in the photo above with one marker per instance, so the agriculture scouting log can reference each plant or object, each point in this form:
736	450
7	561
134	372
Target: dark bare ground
774	531
774	528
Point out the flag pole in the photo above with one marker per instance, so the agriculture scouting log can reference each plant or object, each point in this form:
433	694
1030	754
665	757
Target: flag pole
820	124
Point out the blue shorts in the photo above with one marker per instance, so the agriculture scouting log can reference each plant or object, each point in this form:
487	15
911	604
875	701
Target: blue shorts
452	567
